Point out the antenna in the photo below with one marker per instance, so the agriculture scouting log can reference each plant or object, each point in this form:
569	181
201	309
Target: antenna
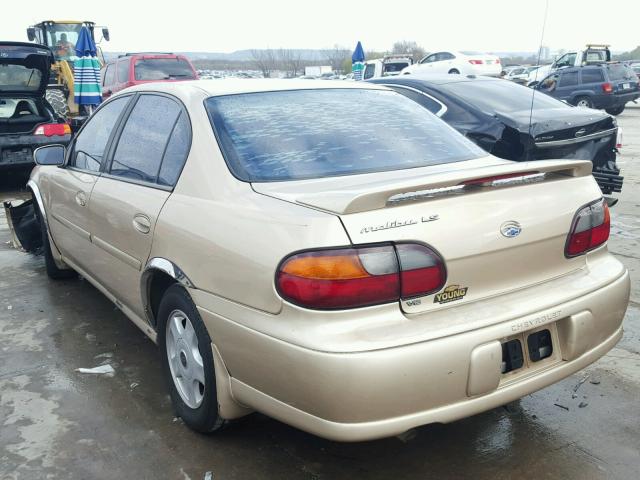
544	24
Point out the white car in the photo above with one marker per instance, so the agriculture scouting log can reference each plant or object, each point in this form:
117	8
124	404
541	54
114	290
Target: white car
465	63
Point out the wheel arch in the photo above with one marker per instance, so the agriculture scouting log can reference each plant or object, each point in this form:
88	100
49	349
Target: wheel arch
159	274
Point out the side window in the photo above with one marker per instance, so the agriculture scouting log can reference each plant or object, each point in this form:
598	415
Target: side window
592	75
446	56
123	71
109	75
176	153
429	58
144	138
568	79
427	102
369	71
89	147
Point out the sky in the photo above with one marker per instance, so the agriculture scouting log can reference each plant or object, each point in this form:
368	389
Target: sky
229	25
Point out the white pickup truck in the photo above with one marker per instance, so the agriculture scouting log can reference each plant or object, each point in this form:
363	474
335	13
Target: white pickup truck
591	54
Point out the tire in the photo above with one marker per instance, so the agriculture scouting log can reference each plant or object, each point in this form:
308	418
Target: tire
454	71
58	101
583	102
615	111
180	330
53	272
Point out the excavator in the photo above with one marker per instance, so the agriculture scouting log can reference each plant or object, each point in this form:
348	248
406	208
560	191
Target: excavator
61	36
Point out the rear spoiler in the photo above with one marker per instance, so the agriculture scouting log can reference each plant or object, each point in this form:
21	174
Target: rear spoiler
382	193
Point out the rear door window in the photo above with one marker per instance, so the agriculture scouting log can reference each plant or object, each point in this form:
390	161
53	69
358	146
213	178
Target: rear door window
144	138
176	152
89	147
592	75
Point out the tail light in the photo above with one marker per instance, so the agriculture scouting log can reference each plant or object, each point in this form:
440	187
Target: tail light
590	229
619	138
358	277
607	87
497	179
51	129
476	62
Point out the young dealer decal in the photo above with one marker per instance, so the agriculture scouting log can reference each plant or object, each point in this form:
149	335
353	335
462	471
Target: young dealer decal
450	294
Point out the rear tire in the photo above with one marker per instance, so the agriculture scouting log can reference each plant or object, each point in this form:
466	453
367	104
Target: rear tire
187	361
454	71
58	101
53	272
615	111
583	102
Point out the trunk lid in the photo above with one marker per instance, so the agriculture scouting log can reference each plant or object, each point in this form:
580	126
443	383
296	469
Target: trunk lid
493	239
24	69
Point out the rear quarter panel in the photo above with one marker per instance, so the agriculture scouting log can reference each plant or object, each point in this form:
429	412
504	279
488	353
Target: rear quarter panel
227	238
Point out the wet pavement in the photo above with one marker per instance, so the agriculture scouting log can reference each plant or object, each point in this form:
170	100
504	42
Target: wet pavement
57	423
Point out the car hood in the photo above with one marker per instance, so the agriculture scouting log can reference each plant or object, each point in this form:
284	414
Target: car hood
557	123
24	69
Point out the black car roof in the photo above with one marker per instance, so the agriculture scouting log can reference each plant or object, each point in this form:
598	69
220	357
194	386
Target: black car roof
437	79
26	48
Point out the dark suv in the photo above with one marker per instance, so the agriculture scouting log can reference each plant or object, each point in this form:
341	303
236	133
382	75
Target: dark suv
27	120
137	68
607	86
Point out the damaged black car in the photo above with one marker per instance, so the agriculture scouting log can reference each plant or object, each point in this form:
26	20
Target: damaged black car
27	121
512	122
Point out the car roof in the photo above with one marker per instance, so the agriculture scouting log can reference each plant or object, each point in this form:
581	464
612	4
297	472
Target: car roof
232	86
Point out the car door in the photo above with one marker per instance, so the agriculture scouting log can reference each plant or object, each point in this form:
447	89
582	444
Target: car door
426	64
70	188
143	165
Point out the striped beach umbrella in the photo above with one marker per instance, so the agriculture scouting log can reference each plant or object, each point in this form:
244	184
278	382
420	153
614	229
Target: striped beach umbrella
86	71
357	62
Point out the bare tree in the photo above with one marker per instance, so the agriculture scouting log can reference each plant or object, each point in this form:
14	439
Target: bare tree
265	61
290	61
336	56
410	47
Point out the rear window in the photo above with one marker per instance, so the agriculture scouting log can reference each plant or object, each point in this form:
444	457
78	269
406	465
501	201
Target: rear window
592	75
620	72
276	136
163	69
500	96
395	67
19	78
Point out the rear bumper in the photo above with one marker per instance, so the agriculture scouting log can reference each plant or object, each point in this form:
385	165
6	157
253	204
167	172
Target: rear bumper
616	100
17	150
372	394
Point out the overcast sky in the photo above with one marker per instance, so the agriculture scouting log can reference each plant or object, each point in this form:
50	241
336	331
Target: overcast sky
228	25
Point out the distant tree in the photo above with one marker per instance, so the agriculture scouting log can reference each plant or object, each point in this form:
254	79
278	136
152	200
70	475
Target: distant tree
290	61
336	56
265	61
631	55
410	47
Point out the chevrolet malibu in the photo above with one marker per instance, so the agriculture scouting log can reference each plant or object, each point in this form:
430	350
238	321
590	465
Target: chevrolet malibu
354	279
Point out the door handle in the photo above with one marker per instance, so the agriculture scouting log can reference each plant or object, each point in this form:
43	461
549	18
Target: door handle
81	199
142	223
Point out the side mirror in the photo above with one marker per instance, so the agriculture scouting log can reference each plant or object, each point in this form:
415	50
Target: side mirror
105	34
50	155
31	34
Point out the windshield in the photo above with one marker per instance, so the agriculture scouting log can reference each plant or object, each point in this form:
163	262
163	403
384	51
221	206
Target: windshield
19	78
62	37
500	96
163	69
275	136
